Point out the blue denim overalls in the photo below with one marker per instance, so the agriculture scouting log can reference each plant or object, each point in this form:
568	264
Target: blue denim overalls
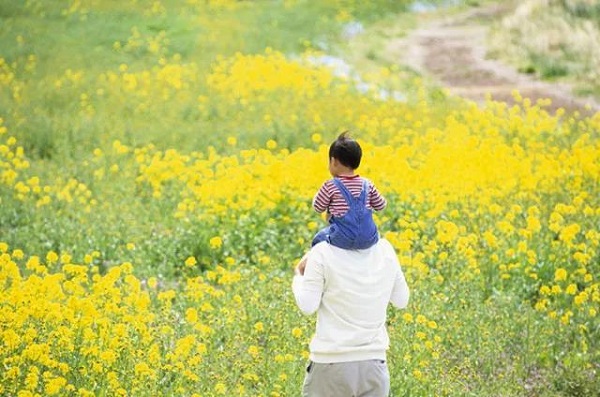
356	228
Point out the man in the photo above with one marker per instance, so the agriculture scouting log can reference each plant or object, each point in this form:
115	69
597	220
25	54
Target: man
350	291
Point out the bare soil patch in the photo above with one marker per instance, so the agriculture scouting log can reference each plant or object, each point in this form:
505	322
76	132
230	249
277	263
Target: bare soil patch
452	51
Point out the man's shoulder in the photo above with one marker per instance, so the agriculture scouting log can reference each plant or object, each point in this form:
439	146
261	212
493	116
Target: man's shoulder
321	247
385	244
381	256
382	245
383	248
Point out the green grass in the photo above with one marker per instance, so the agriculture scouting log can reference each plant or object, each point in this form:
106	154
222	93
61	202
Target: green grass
556	42
62	43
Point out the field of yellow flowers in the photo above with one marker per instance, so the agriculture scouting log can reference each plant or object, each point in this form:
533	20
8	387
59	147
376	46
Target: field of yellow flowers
157	165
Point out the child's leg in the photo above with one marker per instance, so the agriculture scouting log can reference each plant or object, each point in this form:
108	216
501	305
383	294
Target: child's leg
322	235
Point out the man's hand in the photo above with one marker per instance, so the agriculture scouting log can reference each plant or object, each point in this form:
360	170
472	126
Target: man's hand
301	266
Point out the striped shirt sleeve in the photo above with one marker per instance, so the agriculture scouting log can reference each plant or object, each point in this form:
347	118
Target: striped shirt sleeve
322	199
376	200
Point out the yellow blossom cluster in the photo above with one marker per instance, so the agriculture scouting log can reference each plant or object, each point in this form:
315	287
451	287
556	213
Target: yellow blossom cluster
13	163
67	328
252	77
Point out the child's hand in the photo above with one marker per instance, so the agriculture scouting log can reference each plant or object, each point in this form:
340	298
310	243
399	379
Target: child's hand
301	266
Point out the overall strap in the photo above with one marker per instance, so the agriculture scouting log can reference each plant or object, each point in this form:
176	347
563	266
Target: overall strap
350	199
364	192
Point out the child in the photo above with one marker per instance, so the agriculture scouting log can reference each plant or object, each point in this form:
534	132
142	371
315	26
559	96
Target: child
348	199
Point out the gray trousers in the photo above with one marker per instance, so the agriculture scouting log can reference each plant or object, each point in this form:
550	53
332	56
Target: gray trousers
369	378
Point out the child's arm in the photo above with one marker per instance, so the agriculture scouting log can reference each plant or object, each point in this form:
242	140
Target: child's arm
322	199
376	200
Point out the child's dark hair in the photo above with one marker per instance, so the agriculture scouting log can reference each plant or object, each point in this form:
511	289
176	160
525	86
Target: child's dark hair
346	150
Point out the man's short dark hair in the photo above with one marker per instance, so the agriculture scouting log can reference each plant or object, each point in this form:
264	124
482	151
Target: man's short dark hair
346	150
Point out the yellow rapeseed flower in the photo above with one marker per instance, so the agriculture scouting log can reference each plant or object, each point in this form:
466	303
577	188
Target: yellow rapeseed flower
560	274
568	233
296	332
253	351
220	388
52	257
271	144
581	298
191	315
216	242
55	386
191	261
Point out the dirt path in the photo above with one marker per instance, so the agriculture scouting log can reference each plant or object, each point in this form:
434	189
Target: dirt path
452	51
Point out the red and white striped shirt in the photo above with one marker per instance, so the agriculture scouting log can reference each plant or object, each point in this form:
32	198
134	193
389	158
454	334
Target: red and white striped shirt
331	199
